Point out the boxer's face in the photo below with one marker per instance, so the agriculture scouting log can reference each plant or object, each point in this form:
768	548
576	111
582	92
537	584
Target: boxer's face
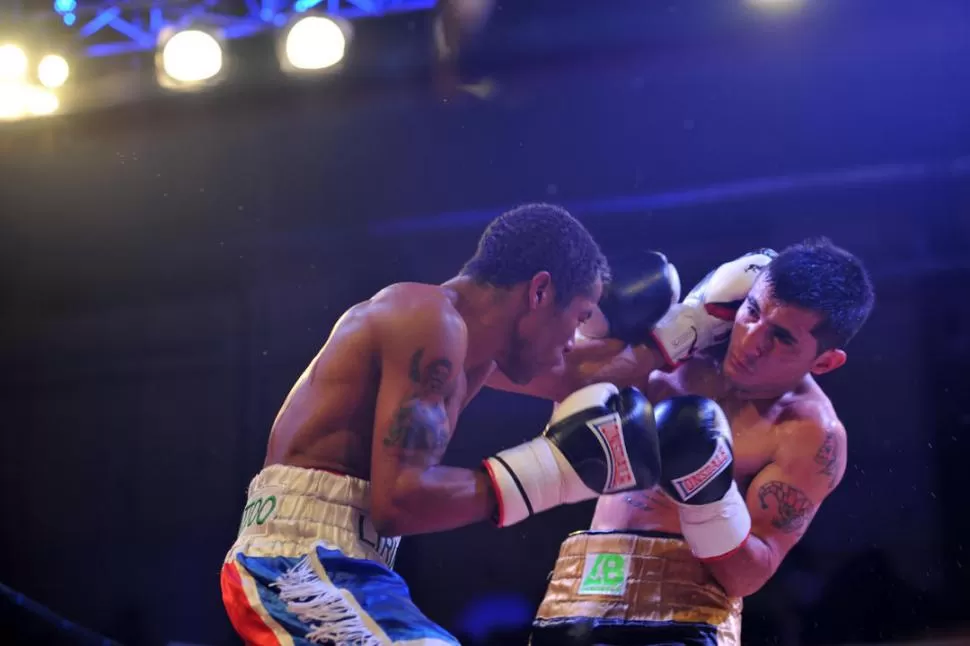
547	329
772	345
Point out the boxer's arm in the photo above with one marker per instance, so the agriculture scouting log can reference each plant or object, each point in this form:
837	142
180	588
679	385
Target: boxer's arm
782	500
422	368
590	361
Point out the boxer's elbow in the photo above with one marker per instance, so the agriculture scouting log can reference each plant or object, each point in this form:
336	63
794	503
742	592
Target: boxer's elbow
742	586
747	570
388	521
393	506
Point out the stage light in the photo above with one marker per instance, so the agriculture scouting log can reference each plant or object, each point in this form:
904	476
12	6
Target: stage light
19	100
775	5
11	101
13	63
313	43
52	71
190	57
39	101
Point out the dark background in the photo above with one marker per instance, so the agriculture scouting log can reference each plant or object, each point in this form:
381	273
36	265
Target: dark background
169	267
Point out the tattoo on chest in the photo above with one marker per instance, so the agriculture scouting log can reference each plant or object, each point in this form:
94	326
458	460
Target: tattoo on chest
828	457
793	508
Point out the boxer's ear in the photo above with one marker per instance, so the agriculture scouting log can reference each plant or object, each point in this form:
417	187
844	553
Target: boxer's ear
828	361
541	290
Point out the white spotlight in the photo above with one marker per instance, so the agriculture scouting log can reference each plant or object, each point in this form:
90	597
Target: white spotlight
12	100
13	63
40	102
52	71
775	5
191	56
314	43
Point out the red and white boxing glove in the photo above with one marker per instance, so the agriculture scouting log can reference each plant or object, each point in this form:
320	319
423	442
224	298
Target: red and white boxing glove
698	473
600	440
706	315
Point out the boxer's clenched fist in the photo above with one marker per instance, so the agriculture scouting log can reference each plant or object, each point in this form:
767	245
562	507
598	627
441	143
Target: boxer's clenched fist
632	304
600	440
698	473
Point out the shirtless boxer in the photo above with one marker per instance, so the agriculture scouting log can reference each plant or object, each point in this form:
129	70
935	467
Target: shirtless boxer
741	479
353	458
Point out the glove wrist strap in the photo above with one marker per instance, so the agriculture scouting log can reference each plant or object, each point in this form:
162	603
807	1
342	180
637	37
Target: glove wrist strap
717	529
530	478
675	334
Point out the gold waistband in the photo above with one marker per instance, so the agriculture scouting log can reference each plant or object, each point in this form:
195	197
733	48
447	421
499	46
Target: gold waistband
626	577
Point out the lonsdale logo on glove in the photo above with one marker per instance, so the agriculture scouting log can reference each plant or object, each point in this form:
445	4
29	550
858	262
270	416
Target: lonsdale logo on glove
609	431
689	485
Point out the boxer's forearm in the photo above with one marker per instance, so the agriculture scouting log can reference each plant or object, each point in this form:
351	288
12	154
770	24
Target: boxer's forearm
745	570
436	499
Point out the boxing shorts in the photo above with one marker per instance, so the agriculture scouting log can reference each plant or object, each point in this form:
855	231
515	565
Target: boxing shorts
641	588
308	567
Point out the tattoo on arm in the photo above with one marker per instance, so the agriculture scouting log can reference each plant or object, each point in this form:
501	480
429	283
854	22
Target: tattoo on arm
419	427
793	507
432	379
828	457
421	424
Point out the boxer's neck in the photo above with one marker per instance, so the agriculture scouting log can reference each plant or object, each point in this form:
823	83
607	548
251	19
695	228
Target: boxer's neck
734	391
487	317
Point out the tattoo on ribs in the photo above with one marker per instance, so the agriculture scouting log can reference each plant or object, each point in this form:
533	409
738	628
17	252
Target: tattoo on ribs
828	457
419	427
793	507
644	501
433	378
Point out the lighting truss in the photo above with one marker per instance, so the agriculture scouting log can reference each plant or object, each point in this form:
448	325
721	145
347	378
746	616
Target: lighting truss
125	26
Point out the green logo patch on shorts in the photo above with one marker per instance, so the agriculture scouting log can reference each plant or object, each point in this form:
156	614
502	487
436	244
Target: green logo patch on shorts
257	512
605	574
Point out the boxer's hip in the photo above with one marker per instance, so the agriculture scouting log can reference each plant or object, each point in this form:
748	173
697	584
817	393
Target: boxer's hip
634	588
309	567
289	510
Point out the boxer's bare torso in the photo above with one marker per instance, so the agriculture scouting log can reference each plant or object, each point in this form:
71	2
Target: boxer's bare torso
327	420
764	431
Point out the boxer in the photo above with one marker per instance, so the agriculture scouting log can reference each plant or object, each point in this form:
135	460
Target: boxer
750	448
353	460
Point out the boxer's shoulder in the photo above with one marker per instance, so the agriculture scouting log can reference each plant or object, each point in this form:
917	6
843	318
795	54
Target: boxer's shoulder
404	308
812	435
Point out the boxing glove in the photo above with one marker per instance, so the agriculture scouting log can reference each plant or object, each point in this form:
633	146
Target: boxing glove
705	317
698	473
599	440
631	305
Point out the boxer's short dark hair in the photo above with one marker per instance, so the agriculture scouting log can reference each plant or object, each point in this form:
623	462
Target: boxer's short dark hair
818	276
539	237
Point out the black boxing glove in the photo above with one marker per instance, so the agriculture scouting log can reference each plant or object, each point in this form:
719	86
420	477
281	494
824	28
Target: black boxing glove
631	305
698	473
600	440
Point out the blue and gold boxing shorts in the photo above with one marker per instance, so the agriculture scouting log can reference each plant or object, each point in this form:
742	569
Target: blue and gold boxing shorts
308	567
634	588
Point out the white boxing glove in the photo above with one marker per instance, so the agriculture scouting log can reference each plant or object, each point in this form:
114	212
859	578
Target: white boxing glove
600	440
706	315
